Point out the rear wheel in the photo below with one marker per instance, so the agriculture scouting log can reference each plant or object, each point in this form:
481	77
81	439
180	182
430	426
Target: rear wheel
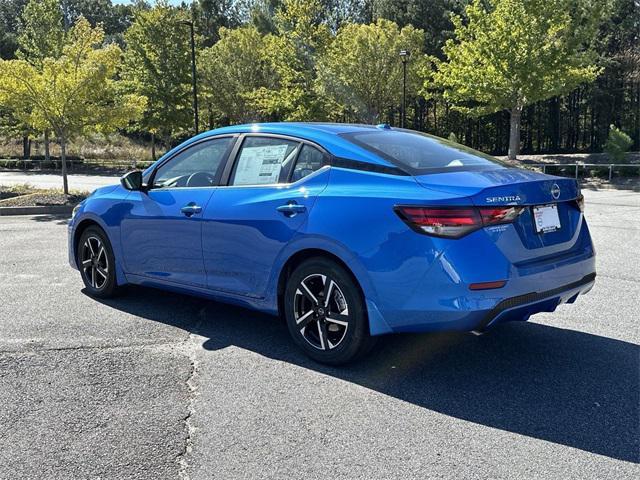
325	312
96	263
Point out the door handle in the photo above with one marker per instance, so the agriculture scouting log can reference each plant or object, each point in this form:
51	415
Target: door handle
291	209
191	209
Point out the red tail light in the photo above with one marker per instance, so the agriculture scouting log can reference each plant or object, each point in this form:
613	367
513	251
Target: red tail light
455	222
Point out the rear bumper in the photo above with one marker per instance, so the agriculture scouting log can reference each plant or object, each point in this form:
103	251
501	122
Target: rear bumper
469	314
439	297
523	306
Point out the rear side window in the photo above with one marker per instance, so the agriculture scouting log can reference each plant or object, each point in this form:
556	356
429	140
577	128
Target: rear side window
310	159
420	153
264	161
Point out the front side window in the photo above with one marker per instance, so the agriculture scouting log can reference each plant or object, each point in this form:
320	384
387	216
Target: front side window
197	166
264	161
420	153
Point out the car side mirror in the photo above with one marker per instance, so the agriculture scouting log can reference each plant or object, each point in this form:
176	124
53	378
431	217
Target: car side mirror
132	180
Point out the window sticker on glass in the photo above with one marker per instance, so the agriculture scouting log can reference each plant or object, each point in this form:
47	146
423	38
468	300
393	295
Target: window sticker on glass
260	165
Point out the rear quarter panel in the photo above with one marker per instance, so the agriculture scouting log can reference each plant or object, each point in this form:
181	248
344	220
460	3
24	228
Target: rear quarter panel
354	219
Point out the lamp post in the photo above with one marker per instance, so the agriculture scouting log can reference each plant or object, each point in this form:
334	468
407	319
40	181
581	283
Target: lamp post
194	85
404	56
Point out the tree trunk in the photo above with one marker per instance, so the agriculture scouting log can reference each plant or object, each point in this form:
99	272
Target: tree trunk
153	147
47	155
539	129
63	158
514	132
26	147
554	117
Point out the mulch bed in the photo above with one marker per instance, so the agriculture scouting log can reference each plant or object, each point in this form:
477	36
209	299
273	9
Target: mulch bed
39	199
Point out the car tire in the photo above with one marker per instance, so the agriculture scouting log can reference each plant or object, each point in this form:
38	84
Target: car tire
95	260
332	330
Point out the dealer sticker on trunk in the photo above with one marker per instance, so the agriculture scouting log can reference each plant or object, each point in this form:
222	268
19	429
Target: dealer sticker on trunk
546	218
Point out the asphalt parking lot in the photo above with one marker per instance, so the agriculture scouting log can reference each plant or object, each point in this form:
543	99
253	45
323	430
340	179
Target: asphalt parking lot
154	385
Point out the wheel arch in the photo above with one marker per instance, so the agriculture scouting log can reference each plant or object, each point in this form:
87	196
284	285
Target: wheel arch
377	323
89	221
300	256
77	233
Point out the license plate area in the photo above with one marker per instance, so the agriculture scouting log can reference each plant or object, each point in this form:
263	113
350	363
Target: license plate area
546	218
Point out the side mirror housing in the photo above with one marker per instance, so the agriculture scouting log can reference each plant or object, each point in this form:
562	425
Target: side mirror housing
132	180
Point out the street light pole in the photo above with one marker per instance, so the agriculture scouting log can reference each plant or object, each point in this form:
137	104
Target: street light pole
404	56
194	84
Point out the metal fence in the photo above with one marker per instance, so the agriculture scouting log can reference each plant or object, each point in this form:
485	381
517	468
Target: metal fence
577	166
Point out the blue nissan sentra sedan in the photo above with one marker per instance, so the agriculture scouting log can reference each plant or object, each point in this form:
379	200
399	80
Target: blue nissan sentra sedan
346	231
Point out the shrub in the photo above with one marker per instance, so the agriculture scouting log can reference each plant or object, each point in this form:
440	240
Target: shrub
452	138
617	144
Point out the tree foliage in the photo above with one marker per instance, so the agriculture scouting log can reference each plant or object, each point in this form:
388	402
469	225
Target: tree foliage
231	71
291	54
212	15
157	65
431	16
361	71
617	144
291	43
511	55
73	94
42	31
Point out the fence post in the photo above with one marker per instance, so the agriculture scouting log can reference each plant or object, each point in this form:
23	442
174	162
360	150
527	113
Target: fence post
576	171
610	171
544	168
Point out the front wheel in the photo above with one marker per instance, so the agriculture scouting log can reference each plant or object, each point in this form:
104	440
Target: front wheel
96	263
325	312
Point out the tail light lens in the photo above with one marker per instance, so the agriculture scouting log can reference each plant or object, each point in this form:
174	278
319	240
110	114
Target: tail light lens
455	222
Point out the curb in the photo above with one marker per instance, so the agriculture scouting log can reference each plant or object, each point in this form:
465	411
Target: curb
37	210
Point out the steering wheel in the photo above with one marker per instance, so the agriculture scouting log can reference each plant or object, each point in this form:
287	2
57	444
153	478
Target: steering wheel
200	179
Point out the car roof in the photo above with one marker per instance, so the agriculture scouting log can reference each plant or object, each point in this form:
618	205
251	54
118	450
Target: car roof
326	135
300	127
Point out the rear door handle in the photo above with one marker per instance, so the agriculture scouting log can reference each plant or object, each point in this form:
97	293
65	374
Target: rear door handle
191	209
291	209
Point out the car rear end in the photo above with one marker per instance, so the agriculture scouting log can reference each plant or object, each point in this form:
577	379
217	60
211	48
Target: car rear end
509	242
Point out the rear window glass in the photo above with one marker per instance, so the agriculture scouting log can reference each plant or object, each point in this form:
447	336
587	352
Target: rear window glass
420	153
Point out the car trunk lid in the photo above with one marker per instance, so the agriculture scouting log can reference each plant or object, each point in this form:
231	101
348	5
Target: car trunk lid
506	186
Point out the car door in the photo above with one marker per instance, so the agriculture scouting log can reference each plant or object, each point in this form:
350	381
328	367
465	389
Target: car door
271	188
161	234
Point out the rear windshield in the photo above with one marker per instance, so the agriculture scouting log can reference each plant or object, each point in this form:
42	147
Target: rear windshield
419	153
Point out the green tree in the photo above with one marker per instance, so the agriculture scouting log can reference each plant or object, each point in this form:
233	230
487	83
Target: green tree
230	72
617	144
41	32
211	15
361	71
432	16
72	95
10	11
511	55
261	15
42	36
292	54
157	65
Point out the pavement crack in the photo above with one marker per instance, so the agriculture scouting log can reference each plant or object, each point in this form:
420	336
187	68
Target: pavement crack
192	343
72	348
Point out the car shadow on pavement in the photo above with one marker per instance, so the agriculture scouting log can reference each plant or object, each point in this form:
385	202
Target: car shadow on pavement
59	219
562	386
